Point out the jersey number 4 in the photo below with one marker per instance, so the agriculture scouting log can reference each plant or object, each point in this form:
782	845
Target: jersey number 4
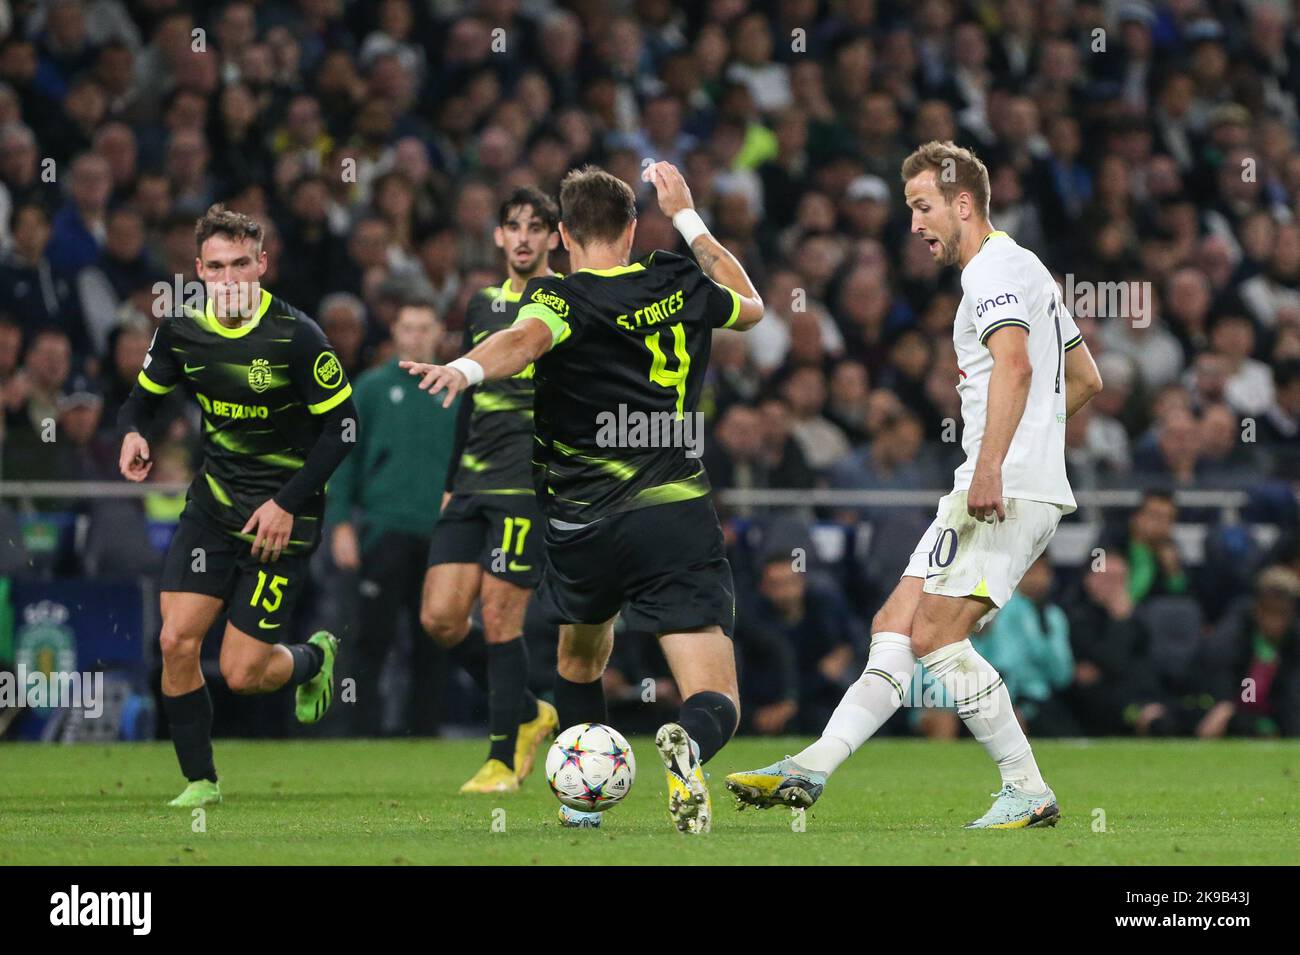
659	373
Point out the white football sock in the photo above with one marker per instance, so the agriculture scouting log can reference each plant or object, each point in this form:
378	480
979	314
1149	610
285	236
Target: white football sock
870	701
984	705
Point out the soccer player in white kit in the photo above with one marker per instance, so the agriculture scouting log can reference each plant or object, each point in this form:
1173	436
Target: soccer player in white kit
1024	369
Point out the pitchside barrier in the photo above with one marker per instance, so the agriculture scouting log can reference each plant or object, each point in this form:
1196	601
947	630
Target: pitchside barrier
1072	546
78	575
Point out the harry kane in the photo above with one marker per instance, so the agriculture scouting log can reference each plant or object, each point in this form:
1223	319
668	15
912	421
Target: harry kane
1024	369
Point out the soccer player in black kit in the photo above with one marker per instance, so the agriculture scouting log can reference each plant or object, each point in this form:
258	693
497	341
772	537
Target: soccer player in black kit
629	527
278	418
488	541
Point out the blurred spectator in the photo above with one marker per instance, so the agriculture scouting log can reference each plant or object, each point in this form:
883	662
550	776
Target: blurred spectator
31	420
755	449
343	319
1116	688
121	269
1279	428
34	292
1148	547
78	229
1249	386
822	443
797	650
1251	663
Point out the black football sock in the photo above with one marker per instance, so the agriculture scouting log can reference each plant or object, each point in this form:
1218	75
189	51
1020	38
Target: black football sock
507	678
580	702
307	660
472	654
710	719
190	716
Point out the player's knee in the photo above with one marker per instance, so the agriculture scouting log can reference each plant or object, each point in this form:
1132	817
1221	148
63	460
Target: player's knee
925	638
242	677
178	646
885	620
579	664
445	627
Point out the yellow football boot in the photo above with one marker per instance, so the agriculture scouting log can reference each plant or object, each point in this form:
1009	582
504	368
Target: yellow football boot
688	794
532	735
494	777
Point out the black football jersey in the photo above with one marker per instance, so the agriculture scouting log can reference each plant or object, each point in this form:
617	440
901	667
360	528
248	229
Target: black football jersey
261	389
499	447
614	393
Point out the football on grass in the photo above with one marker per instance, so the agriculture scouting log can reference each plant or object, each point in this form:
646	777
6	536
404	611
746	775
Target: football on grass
590	767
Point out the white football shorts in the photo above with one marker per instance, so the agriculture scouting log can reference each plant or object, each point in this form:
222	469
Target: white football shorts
961	556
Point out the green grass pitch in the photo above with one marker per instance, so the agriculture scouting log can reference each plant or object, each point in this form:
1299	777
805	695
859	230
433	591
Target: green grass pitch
894	803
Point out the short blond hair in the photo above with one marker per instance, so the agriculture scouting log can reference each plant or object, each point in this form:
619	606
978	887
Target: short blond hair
956	170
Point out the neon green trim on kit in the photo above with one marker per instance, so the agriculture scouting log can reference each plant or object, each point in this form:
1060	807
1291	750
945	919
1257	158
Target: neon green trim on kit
332	402
618	469
697	485
735	307
487	402
219	492
560	329
151	386
208	318
616	270
281	460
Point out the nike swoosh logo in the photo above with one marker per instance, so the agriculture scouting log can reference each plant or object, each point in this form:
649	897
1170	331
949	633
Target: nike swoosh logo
190	371
497	739
480	336
518	568
267	626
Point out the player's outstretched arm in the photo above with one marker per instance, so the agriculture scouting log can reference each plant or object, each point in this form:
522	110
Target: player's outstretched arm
502	355
1082	379
717	262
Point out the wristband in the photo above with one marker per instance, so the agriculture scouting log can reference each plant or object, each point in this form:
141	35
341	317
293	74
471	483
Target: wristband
468	367
690	225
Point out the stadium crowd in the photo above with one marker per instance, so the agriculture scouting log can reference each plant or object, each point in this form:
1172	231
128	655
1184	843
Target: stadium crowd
1146	151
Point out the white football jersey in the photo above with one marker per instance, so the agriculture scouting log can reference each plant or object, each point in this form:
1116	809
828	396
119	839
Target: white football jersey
1006	285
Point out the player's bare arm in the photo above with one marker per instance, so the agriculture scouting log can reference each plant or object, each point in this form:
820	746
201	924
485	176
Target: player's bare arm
502	355
1008	392
1082	379
717	262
